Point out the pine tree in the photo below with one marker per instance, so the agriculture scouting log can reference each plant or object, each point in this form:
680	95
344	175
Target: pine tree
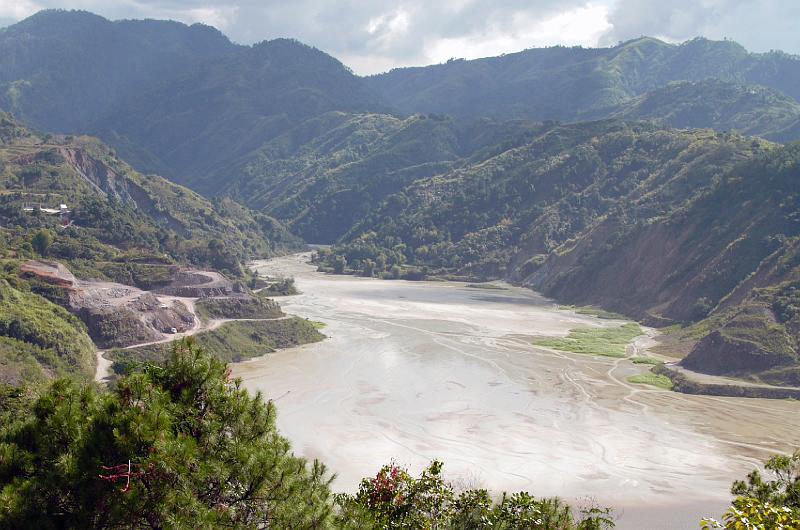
174	446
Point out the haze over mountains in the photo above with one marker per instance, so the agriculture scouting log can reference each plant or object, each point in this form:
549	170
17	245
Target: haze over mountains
624	177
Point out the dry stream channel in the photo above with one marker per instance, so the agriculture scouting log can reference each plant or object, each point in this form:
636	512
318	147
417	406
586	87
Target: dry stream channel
413	371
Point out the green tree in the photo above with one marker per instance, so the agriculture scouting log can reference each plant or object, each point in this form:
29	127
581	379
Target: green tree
396	271
177	446
395	500
765	504
368	268
41	241
339	264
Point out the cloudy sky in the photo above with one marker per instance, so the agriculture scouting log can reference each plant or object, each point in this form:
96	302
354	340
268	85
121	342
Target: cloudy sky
376	35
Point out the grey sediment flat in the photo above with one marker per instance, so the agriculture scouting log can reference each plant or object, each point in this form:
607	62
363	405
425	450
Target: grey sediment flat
413	371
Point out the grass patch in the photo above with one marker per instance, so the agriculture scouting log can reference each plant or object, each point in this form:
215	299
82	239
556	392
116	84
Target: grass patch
317	324
599	313
657	380
608	342
487	286
646	360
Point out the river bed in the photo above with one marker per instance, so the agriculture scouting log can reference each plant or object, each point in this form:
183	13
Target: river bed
413	371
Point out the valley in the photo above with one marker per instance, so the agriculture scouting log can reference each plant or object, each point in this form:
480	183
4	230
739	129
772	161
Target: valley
255	285
418	370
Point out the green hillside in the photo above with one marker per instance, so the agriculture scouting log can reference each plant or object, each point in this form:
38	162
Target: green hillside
327	173
123	226
116	210
665	226
720	105
63	70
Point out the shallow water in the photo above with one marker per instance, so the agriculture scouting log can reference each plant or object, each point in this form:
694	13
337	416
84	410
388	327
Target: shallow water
413	371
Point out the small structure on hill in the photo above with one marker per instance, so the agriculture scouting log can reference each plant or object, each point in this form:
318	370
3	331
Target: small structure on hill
62	211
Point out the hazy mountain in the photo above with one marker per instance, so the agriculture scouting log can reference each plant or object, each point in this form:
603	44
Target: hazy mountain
198	122
568	84
63	70
720	105
185	102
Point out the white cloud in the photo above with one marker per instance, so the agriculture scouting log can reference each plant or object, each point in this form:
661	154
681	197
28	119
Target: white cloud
582	26
759	25
17	9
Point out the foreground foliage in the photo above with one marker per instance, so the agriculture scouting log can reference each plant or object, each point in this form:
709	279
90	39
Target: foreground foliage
395	500
182	445
761	504
174	446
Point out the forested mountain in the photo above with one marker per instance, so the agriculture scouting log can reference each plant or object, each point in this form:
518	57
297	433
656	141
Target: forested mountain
194	126
327	173
568	84
185	102
663	225
720	105
61	71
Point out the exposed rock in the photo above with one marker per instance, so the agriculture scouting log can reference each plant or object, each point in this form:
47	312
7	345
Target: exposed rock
202	284
117	327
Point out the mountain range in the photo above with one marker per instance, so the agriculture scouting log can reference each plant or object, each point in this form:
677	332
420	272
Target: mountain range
654	179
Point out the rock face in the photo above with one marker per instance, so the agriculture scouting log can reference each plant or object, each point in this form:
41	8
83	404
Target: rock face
116	315
49	272
718	354
118	327
202	284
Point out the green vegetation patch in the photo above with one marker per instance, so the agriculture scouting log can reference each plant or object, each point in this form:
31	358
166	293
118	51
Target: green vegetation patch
488	286
281	287
231	342
657	380
646	360
608	342
239	307
58	340
599	313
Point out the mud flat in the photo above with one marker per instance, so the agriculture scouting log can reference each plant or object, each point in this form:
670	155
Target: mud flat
419	370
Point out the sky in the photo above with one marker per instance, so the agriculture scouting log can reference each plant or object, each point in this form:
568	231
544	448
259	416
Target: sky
372	36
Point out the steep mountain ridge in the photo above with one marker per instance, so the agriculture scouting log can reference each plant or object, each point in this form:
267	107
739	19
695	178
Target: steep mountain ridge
70	205
569	84
194	126
327	173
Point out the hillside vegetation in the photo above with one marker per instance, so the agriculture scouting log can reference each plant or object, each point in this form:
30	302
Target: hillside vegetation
185	102
664	226
117	212
122	226
563	83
